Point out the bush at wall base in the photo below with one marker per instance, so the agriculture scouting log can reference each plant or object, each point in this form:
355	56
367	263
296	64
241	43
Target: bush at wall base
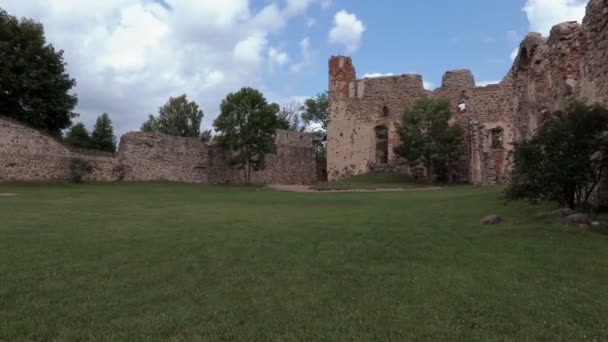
79	168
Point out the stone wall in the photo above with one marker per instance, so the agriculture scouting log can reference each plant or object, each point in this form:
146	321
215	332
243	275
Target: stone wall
570	64
293	163
29	155
153	157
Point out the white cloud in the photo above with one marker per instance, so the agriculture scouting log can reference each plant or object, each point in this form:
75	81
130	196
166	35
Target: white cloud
514	54
249	50
277	57
428	85
347	31
486	83
306	56
130	56
377	74
544	14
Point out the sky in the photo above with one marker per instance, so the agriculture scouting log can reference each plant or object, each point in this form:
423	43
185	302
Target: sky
129	56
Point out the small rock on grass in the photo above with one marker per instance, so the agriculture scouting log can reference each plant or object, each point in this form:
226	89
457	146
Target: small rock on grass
577	220
491	219
564	212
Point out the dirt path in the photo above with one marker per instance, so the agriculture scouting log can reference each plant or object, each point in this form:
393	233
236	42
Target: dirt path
307	189
7	194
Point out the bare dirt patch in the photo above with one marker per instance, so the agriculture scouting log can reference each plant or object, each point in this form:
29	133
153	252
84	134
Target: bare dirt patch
6	194
308	189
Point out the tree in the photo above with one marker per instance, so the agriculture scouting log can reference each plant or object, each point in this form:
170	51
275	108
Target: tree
177	117
78	136
316	113
207	135
566	159
247	125
80	168
427	137
290	117
34	86
103	138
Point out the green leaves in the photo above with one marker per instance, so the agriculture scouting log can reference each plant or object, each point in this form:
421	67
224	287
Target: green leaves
78	136
177	117
247	125
316	110
566	160
34	87
426	136
103	138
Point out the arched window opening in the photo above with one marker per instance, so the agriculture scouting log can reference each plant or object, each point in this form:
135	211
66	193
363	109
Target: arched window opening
462	107
524	60
385	112
497	136
381	145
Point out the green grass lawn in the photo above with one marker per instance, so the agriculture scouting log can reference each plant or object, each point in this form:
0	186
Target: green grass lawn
373	181
174	262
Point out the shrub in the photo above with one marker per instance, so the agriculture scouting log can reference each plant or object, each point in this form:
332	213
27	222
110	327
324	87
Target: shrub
566	160
80	168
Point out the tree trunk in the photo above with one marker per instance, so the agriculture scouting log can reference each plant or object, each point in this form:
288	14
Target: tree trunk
429	171
248	173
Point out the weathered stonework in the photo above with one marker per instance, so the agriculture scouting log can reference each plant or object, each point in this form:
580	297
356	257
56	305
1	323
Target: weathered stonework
29	155
571	64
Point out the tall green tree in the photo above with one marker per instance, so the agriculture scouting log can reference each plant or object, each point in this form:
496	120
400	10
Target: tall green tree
316	114
78	136
34	86
567	158
207	135
427	137
178	117
290	117
103	138
247	125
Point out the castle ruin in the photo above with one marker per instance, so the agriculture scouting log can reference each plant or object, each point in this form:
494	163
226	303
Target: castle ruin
570	64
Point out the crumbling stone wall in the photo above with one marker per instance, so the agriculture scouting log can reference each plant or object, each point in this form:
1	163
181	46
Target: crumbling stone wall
358	108
570	64
29	155
293	163
152	157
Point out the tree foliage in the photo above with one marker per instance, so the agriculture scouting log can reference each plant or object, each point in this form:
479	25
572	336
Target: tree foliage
103	138
79	169
177	117
207	135
290	117
78	136
316	113
566	159
34	86
247	125
427	137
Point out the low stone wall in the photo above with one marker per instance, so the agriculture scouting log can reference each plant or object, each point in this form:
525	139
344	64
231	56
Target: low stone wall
29	155
290	165
154	157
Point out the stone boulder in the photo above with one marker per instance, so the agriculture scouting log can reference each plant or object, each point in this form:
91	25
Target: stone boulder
491	219
564	212
577	220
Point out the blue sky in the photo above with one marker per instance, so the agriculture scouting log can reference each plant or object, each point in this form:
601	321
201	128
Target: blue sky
130	56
